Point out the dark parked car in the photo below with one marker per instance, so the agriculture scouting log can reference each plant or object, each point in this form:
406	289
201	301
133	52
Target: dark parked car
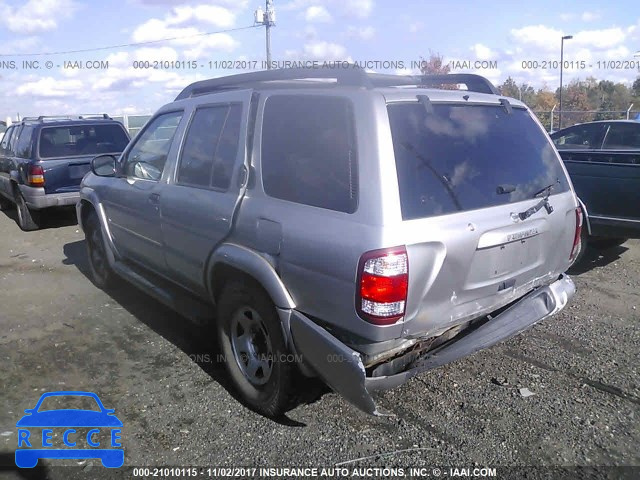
43	160
603	160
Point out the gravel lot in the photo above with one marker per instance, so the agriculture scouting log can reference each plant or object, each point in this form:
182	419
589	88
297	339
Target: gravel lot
59	332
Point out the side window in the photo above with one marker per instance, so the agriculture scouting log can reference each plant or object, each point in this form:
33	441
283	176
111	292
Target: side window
308	151
588	136
227	151
13	140
211	147
4	145
23	146
147	157
622	136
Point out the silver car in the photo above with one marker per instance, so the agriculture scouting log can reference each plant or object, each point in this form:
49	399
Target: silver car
360	228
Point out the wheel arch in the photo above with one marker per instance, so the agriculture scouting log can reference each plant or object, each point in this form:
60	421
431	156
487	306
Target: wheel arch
231	260
89	203
83	209
15	186
585	216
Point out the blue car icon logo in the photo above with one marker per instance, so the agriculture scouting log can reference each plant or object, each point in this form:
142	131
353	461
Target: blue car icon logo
84	433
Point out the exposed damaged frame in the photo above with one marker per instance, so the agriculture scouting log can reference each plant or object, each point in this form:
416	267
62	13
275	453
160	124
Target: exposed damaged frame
343	370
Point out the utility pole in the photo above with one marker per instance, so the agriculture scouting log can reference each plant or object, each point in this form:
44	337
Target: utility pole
268	19
566	37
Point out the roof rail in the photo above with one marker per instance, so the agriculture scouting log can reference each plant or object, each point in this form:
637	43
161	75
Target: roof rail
474	83
44	118
95	115
351	75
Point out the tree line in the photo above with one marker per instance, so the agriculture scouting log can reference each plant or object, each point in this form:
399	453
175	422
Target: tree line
582	100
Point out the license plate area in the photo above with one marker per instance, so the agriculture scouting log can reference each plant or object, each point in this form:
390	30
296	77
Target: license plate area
500	262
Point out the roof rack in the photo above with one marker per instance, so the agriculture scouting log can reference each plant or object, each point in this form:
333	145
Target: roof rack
344	76
95	115
474	83
347	75
52	118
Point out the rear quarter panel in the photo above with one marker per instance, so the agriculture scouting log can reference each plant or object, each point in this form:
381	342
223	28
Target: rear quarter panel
314	250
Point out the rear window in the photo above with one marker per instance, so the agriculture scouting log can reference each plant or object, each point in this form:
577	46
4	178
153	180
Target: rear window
78	140
460	157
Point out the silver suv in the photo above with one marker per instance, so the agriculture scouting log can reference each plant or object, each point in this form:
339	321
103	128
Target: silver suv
360	228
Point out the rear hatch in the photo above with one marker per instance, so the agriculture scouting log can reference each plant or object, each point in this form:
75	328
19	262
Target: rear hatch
66	151
469	177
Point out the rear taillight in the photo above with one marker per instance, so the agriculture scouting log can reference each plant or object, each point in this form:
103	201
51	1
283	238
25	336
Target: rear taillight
383	280
35	176
576	237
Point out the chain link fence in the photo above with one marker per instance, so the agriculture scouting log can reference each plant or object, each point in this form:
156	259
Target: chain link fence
551	119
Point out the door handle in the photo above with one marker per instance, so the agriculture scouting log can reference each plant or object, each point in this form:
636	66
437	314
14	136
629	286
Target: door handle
154	199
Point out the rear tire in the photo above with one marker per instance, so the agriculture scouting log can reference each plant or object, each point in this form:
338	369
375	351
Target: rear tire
102	275
28	219
253	345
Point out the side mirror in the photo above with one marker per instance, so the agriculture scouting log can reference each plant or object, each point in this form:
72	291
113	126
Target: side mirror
104	165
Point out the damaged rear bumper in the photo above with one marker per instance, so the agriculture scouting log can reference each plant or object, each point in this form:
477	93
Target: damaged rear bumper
342	369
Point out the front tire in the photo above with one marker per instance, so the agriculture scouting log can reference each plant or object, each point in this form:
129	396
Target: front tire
254	348
102	274
5	203
28	219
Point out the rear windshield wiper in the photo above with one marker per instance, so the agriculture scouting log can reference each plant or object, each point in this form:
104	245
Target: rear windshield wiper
441	178
542	203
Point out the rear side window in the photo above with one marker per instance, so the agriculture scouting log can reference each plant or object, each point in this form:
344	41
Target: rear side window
78	140
211	147
13	140
23	147
578	137
308	151
460	157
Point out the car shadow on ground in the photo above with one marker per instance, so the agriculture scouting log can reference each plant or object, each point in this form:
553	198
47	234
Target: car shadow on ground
8	464
198	342
51	218
596	257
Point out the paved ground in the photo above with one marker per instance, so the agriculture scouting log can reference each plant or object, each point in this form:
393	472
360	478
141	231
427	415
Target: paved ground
59	332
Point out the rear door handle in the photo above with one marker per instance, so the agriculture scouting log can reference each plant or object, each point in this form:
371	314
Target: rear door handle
154	199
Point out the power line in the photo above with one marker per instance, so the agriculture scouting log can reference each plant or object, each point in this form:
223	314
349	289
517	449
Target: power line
125	45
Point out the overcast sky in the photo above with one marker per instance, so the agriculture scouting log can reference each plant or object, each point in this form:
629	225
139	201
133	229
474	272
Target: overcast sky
508	33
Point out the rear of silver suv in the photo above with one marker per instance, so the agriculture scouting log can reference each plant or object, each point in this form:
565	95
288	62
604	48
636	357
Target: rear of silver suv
369	229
